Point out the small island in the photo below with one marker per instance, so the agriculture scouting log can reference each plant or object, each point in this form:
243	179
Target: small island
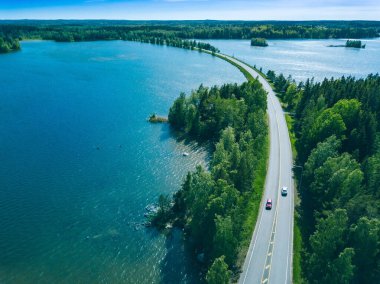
355	43
259	42
350	43
157	119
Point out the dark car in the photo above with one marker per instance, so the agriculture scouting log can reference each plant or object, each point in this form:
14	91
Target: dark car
268	205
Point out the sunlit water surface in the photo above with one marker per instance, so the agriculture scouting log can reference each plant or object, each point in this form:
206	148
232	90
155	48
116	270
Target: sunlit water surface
303	59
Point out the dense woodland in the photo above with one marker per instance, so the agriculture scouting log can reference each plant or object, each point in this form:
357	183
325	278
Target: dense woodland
95	30
337	129
182	33
9	45
215	206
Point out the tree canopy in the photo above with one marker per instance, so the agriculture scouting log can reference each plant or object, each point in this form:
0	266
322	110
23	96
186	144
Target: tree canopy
8	44
212	205
337	130
182	33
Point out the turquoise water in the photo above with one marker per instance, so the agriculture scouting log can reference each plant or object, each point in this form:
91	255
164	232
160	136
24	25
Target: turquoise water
305	59
79	162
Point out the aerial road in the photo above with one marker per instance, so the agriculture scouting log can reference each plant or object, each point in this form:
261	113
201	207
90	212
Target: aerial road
269	258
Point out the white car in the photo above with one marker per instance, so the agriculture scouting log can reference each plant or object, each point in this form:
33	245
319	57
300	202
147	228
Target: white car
284	191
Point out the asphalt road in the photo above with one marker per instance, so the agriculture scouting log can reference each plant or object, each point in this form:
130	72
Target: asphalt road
269	258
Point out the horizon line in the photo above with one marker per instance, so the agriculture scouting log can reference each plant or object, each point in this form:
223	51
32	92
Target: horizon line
193	20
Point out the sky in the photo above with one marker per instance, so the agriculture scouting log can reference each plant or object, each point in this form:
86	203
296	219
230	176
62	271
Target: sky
192	9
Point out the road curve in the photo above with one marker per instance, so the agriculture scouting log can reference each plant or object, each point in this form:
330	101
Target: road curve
269	258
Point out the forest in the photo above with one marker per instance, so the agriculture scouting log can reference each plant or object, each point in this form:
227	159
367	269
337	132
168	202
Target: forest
182	33
336	123
96	29
215	206
8	45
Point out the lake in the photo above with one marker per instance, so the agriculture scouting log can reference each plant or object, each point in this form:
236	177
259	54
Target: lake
305	59
79	162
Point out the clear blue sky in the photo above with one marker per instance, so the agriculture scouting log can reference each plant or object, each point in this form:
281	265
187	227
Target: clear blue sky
192	9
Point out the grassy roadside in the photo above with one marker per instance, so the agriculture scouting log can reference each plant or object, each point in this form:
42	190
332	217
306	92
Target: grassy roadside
297	248
246	74
258	71
292	135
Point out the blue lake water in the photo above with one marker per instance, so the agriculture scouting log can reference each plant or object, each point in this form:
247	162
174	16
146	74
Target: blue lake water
79	162
305	59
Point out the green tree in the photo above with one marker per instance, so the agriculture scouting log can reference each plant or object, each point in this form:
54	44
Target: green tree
290	96
177	113
338	180
365	239
218	272
221	158
349	110
271	75
326	124
196	200
326	245
257	124
341	172
225	242
164	212
341	270
280	83
245	172
319	155
222	202
373	175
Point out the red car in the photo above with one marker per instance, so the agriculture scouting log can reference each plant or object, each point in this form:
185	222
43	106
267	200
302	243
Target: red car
268	205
